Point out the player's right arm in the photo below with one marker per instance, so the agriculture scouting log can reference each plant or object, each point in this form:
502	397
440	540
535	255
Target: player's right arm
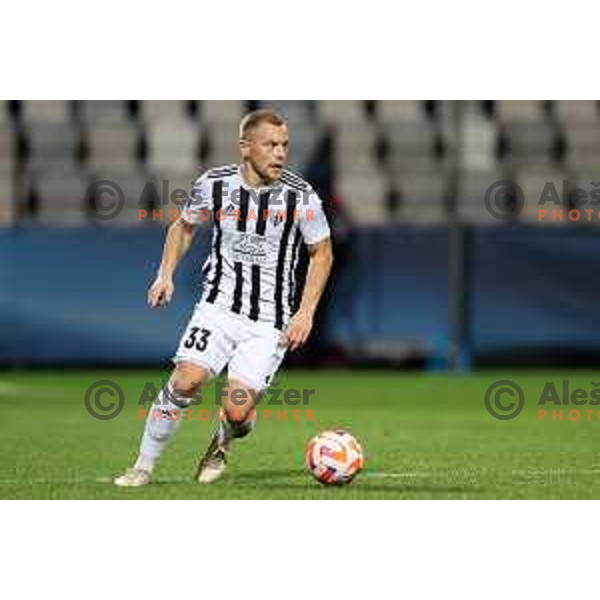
179	239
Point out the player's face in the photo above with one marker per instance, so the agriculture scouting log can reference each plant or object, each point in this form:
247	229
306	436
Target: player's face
266	149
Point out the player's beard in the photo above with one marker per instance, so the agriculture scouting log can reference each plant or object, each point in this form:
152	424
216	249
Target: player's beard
264	175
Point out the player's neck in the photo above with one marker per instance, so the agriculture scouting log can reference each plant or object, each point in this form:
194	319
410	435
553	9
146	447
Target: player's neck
251	178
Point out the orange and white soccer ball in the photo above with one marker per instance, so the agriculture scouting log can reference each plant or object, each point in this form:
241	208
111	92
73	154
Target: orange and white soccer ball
334	457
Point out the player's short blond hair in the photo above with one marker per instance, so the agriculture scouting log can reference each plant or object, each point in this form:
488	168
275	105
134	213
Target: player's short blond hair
256	117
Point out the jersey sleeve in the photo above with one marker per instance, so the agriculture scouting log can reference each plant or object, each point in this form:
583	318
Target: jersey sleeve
313	222
199	204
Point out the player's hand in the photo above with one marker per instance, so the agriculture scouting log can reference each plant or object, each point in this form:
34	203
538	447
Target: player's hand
297	331
161	291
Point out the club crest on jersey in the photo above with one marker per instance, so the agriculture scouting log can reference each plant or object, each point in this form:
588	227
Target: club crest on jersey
249	248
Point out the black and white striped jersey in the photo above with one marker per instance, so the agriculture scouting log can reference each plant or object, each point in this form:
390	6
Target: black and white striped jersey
256	235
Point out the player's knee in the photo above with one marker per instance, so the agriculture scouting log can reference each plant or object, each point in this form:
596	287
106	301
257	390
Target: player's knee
183	387
187	379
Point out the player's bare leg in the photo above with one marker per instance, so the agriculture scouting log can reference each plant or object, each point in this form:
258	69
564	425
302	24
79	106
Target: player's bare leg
237	420
163	420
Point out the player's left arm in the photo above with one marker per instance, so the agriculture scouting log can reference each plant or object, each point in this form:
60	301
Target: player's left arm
319	268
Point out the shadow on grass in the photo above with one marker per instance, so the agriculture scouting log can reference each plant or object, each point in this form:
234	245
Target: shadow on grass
285	479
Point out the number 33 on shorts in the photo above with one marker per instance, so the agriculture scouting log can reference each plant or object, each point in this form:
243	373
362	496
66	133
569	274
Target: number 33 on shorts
197	338
205	342
215	339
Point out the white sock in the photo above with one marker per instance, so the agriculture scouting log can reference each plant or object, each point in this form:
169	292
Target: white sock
163	420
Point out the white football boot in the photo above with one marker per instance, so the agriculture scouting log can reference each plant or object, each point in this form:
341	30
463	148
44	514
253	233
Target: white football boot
133	478
211	467
213	462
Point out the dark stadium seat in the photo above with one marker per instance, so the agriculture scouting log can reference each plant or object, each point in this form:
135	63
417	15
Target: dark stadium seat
8	147
530	142
576	111
535	182
173	145
104	112
582	144
423	196
60	197
221	112
472	189
136	187
46	111
520	111
410	142
52	144
394	111
164	111
111	146
364	198
7	199
341	112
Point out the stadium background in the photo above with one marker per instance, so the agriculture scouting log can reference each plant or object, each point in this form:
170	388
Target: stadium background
424	273
427	277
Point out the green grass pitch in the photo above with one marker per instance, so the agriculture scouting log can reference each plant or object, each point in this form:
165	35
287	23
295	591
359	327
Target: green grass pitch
424	435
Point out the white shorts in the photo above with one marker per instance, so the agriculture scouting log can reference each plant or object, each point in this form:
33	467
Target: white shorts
215	338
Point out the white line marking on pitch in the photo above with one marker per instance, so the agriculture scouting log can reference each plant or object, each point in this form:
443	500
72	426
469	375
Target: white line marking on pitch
157	480
376	474
26	481
19	388
473	472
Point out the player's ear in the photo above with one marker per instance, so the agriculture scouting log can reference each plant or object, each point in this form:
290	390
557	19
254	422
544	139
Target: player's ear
244	148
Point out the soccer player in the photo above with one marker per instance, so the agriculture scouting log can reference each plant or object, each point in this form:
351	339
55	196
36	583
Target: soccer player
246	318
